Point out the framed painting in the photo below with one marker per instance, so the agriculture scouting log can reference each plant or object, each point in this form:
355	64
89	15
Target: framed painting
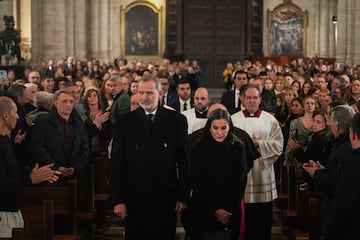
287	30
141	24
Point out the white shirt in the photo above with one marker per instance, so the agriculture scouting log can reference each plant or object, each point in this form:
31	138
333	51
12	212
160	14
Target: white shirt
188	105
237	96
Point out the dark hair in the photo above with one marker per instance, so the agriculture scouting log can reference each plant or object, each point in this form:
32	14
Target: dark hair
240	72
16	90
312	90
220	114
49	74
87	94
58	80
355	124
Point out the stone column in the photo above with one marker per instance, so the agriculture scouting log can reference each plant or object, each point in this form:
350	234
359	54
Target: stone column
104	33
80	29
356	33
37	55
56	35
323	29
94	28
70	28
346	32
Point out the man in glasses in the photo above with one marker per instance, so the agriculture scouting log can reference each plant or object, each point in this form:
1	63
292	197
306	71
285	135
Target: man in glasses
231	99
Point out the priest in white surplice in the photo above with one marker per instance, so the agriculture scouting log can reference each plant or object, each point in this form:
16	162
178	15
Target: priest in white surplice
197	116
261	188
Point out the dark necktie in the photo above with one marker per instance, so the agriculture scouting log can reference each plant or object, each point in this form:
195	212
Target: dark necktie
150	118
185	106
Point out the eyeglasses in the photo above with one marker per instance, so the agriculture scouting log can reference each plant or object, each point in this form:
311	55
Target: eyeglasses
241	78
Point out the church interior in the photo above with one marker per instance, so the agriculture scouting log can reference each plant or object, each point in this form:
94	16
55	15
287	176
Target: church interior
208	34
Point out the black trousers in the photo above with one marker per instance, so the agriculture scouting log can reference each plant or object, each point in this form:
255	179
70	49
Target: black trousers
151	216
258	220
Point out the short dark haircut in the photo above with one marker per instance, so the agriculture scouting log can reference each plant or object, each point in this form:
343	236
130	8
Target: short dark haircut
240	72
16	90
49	74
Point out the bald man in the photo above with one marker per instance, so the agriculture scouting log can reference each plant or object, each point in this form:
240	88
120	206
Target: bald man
12	180
197	116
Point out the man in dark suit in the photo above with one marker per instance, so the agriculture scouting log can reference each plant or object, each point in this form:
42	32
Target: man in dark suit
184	101
168	97
231	99
149	168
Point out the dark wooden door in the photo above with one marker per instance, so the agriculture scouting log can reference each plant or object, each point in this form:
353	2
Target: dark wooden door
217	32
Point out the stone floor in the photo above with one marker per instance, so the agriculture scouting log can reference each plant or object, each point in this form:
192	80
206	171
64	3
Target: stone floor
115	230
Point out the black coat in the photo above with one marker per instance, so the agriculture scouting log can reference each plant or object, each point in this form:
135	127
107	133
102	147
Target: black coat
251	152
315	148
344	218
228	100
149	171
219	176
325	180
48	142
141	161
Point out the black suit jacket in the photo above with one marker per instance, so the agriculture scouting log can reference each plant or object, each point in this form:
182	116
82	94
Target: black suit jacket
149	164
228	100
176	104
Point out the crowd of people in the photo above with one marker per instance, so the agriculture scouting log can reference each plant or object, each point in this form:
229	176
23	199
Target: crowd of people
173	151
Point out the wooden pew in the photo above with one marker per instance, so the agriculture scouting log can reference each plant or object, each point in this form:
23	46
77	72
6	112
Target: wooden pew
39	221
101	195
85	212
64	198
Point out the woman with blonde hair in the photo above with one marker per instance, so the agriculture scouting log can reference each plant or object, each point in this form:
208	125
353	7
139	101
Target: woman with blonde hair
280	84
228	76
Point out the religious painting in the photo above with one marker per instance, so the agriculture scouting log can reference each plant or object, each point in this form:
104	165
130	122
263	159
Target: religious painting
287	30
141	29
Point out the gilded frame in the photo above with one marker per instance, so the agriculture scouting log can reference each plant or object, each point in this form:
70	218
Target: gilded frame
287	25
141	30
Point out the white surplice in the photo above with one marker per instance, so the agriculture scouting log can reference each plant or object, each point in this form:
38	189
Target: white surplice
261	186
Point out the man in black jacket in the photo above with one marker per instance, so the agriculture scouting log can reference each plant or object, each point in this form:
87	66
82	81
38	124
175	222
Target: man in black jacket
231	99
344	215
60	138
149	167
325	177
